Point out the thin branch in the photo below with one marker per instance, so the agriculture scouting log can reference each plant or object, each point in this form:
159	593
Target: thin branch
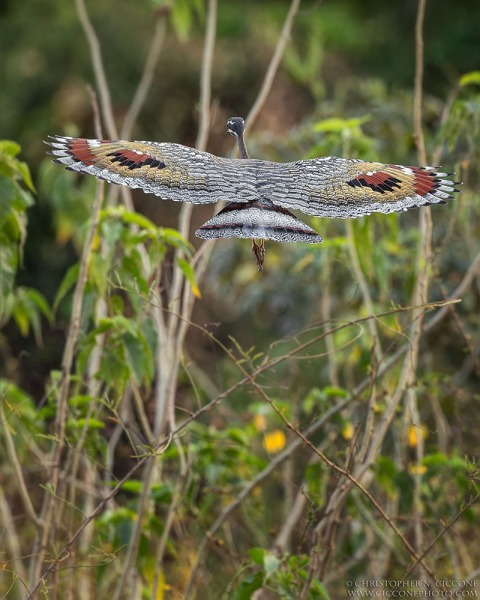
418	91
98	69
10	538
169	520
146	79
450	524
363	284
12	455
126	580
274	64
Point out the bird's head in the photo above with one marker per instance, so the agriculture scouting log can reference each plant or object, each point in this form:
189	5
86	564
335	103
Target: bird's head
236	126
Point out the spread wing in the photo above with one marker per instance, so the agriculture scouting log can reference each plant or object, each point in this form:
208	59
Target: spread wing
171	171
324	187
343	188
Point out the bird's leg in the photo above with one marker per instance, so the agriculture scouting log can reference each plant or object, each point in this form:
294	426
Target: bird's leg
259	251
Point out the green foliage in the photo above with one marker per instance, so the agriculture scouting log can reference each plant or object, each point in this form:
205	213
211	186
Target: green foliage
127	356
285	577
13	207
182	14
25	305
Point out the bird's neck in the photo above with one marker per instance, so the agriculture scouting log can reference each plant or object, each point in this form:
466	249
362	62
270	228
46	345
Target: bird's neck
242	147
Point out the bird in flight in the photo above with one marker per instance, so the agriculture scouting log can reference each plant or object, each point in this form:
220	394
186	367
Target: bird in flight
259	193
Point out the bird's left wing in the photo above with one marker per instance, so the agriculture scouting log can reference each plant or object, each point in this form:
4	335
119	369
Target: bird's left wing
171	171
343	188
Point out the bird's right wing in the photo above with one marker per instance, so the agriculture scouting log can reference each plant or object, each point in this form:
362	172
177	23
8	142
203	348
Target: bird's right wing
346	188
171	171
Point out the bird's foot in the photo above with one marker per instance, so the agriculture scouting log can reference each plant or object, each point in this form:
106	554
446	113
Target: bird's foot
259	251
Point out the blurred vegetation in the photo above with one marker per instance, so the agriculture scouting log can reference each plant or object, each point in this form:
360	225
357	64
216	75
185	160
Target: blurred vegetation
235	501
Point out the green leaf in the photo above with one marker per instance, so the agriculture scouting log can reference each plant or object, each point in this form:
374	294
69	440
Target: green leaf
88	423
17	400
271	563
26	310
176	239
336	125
318	591
469	78
39	301
10	148
25	174
133	485
248	586
67	284
181	19
238	435
161	493
385	472
113	370
80	400
139	220
136	356
331	390
8	266
257	555
8	195
189	274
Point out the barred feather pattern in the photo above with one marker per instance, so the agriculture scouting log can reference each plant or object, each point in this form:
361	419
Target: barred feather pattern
260	220
323	187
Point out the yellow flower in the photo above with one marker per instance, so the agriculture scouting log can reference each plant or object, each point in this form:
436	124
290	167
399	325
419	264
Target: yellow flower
347	431
259	422
414	431
275	441
417	469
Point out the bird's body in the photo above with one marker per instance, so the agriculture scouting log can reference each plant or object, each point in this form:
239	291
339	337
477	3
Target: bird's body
259	192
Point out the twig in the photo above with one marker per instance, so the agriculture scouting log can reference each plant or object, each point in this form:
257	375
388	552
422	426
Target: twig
145	81
126	580
12	454
98	69
362	282
424	261
274	64
442	533
418	95
169	520
12	539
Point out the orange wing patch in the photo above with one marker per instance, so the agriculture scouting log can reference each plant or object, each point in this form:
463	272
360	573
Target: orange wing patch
89	152
395	181
80	150
377	181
